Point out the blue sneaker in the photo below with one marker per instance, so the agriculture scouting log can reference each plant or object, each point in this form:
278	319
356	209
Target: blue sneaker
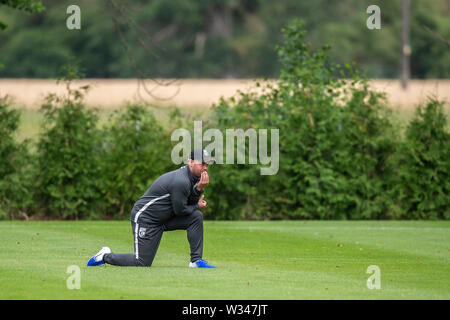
200	264
97	260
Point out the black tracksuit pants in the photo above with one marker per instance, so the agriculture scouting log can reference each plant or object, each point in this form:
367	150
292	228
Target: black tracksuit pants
148	236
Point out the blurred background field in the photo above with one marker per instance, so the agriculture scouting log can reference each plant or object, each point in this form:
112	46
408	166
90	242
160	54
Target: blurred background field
193	96
188	93
212	49
227	39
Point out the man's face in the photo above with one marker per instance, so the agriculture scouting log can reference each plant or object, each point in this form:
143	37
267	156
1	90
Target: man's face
197	168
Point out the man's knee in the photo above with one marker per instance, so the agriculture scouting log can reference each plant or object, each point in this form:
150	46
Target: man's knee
144	262
197	217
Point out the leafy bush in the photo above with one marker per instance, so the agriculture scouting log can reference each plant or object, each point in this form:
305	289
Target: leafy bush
68	155
16	192
335	143
424	167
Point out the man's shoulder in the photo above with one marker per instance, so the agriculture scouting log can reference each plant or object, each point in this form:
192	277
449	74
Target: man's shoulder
165	180
172	174
180	177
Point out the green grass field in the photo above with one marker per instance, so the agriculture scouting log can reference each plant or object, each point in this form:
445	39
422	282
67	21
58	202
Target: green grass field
256	260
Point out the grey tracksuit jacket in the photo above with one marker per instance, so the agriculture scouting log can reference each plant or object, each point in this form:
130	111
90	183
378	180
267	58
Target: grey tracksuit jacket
172	194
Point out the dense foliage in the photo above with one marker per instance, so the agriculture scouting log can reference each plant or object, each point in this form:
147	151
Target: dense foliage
335	143
68	178
424	165
16	168
30	6
340	154
216	38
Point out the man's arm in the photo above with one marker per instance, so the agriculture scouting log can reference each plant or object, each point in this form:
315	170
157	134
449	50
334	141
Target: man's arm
179	197
197	191
194	195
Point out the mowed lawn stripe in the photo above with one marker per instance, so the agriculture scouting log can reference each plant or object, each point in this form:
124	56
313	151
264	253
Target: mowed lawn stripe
320	250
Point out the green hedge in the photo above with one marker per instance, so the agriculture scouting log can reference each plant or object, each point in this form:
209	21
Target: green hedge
335	143
423	166
16	166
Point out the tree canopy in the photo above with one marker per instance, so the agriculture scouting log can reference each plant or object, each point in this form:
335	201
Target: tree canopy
212	38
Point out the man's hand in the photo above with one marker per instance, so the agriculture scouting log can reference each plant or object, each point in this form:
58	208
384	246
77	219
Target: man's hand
201	202
204	180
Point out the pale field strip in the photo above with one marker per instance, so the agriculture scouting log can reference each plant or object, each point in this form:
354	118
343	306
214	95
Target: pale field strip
113	93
